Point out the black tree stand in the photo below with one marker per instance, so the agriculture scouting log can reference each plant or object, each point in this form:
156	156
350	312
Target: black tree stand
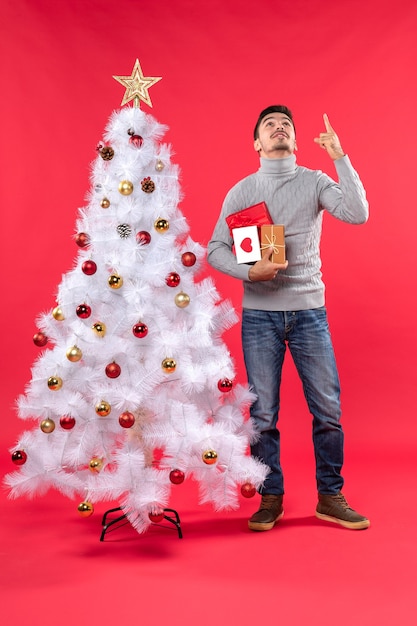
170	516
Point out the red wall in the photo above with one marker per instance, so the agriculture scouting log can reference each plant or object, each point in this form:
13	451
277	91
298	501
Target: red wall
221	63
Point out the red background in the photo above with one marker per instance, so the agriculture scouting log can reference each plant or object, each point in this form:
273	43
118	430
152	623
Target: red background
221	63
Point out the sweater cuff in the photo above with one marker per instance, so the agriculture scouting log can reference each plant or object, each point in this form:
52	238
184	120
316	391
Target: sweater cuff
242	271
342	164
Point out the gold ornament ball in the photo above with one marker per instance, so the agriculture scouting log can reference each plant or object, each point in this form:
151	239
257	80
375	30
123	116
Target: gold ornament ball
74	354
99	328
161	225
169	365
210	457
85	509
105	203
182	300
47	426
95	465
103	408
115	281
159	166
54	383
125	187
58	314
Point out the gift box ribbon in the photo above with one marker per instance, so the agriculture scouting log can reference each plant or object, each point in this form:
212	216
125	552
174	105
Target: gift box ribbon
271	241
256	215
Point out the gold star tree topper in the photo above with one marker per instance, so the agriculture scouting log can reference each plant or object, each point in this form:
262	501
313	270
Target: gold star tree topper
137	85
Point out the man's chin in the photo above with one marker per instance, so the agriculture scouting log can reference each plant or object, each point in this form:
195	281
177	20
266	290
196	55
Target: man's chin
282	145
282	150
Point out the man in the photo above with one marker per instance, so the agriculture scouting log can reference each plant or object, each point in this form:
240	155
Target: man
283	305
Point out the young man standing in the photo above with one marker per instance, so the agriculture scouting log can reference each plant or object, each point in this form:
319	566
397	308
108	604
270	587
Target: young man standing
283	305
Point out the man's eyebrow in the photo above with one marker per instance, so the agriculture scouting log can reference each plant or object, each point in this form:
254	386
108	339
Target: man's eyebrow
271	117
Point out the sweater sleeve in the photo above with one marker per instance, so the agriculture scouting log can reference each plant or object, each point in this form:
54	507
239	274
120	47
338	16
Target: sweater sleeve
220	253
345	200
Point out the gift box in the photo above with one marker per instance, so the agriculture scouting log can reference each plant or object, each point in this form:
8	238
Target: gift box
246	243
254	215
274	236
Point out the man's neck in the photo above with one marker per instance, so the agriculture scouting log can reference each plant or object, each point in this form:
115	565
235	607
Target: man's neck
284	165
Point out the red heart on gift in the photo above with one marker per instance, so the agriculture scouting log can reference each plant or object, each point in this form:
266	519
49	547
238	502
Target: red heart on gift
246	244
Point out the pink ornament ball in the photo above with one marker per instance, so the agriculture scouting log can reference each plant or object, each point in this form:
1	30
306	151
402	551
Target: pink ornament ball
136	140
143	237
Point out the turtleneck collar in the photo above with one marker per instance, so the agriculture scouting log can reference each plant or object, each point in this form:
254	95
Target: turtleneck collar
277	167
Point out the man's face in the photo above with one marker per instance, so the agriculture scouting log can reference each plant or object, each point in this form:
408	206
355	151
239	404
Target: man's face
276	137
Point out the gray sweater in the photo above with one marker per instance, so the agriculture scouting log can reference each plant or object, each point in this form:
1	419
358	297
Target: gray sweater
296	197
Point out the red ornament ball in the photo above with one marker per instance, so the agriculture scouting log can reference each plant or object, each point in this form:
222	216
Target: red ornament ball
225	385
89	268
140	330
136	140
156	517
19	457
126	419
113	370
176	476
40	339
188	259
143	237
83	311
67	422
173	279
247	490
82	240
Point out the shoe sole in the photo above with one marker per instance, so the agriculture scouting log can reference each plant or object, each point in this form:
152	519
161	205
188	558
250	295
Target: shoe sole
362	525
259	526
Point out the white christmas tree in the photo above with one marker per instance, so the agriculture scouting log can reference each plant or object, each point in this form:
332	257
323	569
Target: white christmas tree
135	389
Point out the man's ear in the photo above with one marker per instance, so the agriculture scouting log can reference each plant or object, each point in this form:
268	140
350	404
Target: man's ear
257	145
295	146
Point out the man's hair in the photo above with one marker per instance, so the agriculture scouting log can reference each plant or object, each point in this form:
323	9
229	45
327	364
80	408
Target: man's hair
274	108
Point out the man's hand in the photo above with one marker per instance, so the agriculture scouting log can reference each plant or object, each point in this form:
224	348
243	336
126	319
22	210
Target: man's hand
330	141
265	269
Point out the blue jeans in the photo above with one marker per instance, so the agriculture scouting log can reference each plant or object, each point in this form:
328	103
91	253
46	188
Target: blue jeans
265	336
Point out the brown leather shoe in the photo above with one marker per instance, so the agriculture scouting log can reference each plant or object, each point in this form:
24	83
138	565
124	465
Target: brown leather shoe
270	511
336	509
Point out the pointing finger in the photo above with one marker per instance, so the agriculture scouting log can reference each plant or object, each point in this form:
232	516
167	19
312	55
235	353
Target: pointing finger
327	123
